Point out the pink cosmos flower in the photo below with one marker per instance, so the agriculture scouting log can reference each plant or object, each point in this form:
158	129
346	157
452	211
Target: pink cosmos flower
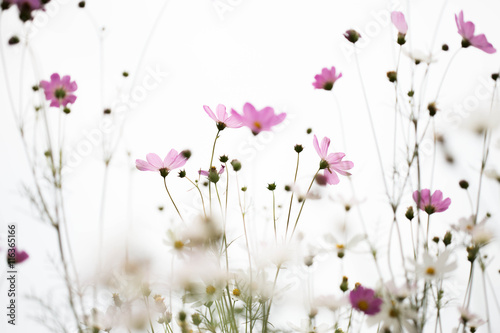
326	79
221	118
466	30
431	203
15	256
364	300
172	161
398	19
59	92
26	7
332	163
258	121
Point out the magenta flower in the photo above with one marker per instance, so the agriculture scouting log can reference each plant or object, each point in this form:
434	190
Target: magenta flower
398	19
431	203
26	7
332	163
15	256
59	92
466	30
172	161
222	118
326	79
258	121
364	300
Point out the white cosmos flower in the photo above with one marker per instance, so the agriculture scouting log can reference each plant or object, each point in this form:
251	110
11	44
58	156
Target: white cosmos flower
340	247
433	268
394	317
306	326
330	302
470	319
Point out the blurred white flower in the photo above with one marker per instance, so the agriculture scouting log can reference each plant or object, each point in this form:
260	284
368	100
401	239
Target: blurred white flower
435	267
482	235
177	243
400	292
340	247
420	56
330	302
394	317
493	174
470	319
306	326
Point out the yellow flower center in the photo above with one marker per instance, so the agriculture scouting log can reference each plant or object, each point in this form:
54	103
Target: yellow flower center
178	245
340	246
210	290
257	124
430	271
363	305
236	292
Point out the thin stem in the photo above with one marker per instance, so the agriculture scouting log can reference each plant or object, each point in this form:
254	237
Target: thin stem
201	196
291	197
166	188
303	202
446	72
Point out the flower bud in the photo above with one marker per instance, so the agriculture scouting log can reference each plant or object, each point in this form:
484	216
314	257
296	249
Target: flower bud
435	239
213	175
465	43
298	148
392	76
472	252
117	301
352	35
432	109
182	173
445	47
288	188
13	40
463	184
244	189
401	39
236	165
81	4
321	180
494	76
182	316
411	93
223	159
447	238
409	213
271	187
145	290
107	111
125	74
309	131
344	286
220	126
196	319
67	110
186	153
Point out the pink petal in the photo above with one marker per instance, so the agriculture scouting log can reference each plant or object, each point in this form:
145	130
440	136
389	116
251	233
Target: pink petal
325	143
209	112
55	78
144	166
203	173
154	160
170	159
331	177
178	162
482	43
221	112
316	146
334	158
249	110
398	19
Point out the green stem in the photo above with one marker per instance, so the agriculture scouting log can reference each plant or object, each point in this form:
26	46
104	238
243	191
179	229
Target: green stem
166	188
303	202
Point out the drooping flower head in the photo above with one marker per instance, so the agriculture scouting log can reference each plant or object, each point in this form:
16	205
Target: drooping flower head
466	30
222	118
431	203
326	79
364	300
331	163
59	91
213	175
15	256
172	161
398	19
258	121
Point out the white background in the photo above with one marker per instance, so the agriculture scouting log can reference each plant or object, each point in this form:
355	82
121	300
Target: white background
262	52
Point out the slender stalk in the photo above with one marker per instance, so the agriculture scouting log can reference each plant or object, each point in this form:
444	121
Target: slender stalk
303	202
166	188
291	196
201	195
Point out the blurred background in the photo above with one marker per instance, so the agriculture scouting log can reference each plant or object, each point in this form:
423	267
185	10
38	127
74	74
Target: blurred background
181	55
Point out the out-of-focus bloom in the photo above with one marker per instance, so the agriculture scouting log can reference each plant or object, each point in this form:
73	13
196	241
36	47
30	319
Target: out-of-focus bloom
332	163
341	247
222	118
493	174
470	319
302	195
172	161
400	292
258	121
59	91
177	243
466	30
364	300
213	175
326	79
482	235
398	19
26	7
431	203
330	302
15	256
433	268
419	56
394	317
